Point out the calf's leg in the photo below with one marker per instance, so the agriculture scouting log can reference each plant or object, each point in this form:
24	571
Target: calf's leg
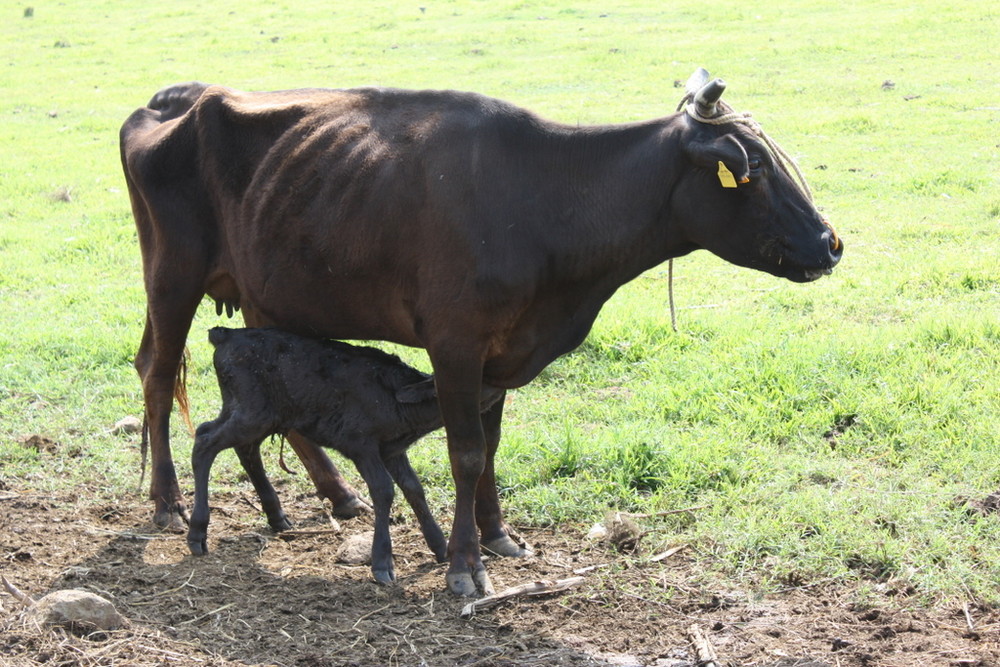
324	475
380	487
406	478
250	460
206	448
211	438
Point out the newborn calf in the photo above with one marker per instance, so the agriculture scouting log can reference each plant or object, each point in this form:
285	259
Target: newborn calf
362	402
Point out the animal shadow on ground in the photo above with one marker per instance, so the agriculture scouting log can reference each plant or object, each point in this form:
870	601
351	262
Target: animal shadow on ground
260	599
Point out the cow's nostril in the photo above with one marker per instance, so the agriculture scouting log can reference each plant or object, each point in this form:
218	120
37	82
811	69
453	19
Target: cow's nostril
832	238
836	246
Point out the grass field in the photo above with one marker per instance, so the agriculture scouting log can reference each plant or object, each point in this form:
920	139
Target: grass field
826	431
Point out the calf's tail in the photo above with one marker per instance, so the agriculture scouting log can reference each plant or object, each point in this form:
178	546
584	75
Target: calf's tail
218	335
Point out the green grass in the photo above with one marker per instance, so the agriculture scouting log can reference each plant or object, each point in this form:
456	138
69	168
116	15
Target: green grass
898	352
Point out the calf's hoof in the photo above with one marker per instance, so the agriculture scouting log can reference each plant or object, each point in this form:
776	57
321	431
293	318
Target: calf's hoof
350	508
470	584
506	546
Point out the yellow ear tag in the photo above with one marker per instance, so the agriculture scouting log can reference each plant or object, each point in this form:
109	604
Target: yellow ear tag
726	177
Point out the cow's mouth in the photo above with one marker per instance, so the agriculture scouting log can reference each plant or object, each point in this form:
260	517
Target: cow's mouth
810	275
807	270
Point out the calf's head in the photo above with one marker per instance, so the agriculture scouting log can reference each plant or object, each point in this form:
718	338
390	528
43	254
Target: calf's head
737	198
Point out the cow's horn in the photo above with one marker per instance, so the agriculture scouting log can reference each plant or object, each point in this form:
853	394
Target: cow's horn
696	82
708	97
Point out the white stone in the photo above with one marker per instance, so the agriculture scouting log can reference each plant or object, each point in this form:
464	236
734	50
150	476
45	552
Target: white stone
76	609
356	549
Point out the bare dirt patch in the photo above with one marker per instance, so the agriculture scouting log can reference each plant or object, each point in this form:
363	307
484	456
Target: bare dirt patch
258	599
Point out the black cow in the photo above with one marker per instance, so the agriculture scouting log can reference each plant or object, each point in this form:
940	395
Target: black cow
438	219
362	402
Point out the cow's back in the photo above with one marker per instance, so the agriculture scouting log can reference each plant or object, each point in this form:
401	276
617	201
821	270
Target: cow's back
376	203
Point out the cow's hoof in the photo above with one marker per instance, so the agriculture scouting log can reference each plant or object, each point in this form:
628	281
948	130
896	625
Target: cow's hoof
505	546
350	508
470	584
384	577
198	547
280	523
172	520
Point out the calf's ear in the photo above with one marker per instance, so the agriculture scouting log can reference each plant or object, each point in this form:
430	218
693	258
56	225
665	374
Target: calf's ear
418	392
725	149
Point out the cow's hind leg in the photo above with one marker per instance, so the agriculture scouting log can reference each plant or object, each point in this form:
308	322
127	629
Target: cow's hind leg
157	362
402	472
496	537
327	479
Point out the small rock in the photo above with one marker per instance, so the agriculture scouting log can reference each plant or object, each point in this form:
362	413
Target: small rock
597	532
623	533
126	425
356	549
76	610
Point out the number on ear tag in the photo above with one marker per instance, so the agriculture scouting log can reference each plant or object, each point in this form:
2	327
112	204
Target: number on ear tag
726	177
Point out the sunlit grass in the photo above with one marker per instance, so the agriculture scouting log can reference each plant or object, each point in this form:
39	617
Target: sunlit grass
824	431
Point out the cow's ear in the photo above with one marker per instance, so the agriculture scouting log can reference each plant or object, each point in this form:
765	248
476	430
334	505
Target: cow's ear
417	392
725	149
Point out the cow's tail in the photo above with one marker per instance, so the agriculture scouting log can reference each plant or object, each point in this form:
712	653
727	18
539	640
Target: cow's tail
180	391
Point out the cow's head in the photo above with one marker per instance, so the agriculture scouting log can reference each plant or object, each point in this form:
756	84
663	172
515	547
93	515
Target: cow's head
737	197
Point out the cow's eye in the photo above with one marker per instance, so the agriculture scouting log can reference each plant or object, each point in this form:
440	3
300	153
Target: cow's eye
754	164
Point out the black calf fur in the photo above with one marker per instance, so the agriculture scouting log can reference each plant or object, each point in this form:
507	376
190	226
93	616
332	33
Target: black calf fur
362	402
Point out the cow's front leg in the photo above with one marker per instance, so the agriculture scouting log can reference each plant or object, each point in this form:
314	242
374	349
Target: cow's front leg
458	388
496	537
